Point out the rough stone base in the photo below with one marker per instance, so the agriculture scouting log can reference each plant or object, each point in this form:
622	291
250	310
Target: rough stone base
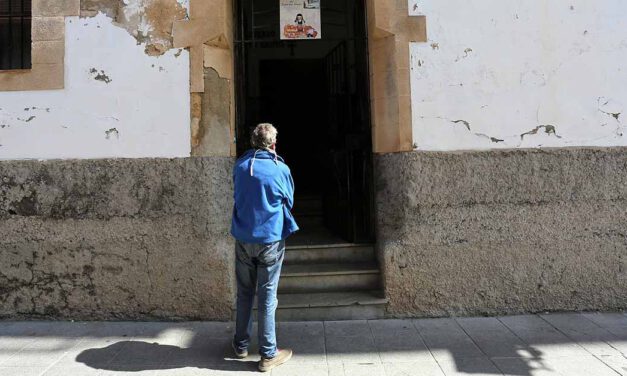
116	239
502	232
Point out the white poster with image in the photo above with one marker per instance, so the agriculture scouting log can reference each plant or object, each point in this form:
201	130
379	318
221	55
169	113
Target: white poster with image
300	19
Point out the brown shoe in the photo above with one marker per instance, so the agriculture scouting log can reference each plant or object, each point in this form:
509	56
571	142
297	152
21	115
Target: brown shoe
282	356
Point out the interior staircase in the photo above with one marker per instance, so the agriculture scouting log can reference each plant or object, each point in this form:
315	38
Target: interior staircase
324	277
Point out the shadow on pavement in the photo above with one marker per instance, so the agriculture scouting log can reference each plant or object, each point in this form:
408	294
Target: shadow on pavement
139	356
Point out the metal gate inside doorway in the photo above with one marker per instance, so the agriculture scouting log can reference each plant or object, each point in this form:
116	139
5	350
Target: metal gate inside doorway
316	92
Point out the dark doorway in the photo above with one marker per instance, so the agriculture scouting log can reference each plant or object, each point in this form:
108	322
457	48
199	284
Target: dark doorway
316	93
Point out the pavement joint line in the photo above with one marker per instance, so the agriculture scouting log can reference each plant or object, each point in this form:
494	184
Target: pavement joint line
605	329
538	359
374	342
578	344
413	323
324	345
477	345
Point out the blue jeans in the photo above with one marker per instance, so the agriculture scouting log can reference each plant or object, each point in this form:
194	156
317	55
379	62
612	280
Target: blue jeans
257	266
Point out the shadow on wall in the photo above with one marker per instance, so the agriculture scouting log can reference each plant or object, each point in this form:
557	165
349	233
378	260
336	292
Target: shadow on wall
514	345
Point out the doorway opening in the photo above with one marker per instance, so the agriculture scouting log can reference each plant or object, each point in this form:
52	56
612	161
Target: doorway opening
316	93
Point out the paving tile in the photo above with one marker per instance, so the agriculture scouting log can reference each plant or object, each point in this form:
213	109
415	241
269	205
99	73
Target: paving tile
615	323
566	366
45	328
6	327
9	346
402	348
21	371
446	340
351	350
210	329
361	369
356	328
246	368
140	353
300	329
470	366
617	362
42	352
392	328
492	337
208	352
306	349
72	370
95	353
290	369
422	368
123	329
542	339
586	333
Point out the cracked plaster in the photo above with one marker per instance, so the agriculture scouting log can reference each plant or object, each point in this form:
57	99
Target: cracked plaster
531	74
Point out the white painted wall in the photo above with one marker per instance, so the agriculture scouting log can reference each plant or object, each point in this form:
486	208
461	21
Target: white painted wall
504	67
142	112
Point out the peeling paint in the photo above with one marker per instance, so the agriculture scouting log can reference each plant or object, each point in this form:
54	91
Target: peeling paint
148	21
466	123
493	139
27	120
548	129
71	123
100	76
507	78
110	132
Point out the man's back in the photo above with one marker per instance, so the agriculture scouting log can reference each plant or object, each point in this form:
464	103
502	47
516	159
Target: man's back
264	196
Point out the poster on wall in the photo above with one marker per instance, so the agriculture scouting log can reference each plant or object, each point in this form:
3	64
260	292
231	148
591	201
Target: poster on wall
300	19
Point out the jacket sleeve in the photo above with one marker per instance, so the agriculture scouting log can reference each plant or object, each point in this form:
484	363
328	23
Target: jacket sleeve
289	190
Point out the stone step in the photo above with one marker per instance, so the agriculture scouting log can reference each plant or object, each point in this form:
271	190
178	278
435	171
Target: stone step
313	278
329	253
354	305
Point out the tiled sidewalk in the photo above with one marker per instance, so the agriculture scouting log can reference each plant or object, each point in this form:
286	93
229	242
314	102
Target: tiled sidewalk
557	344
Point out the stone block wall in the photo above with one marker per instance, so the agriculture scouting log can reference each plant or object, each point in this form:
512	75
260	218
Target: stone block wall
503	232
116	238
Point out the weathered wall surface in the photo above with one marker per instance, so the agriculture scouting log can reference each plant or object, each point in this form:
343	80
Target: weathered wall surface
509	74
498	232
116	238
121	98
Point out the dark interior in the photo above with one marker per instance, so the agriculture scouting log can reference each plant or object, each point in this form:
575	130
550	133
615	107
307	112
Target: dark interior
315	92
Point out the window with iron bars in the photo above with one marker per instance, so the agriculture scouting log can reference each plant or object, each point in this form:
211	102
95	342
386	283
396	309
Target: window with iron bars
15	34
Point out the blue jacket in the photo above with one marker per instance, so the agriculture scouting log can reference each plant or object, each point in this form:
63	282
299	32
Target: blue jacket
264	196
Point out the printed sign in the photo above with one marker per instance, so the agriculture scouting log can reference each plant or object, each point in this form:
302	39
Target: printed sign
300	19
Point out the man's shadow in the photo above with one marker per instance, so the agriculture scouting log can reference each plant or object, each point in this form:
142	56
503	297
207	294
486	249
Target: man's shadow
139	356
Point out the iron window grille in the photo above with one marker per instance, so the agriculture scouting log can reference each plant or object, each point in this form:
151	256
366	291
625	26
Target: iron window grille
15	34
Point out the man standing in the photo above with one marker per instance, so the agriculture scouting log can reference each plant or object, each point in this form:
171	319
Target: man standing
264	196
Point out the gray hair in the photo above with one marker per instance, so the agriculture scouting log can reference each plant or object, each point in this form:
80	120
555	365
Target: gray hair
263	136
